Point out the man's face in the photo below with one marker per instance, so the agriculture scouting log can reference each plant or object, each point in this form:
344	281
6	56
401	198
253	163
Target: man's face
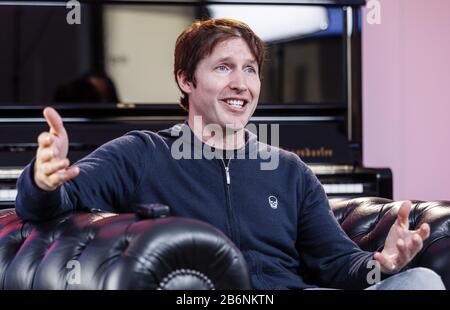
227	86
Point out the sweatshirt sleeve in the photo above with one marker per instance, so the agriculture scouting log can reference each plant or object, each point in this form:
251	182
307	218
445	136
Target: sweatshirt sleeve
331	258
107	180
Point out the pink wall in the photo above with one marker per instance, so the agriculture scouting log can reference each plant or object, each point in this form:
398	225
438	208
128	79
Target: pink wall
406	96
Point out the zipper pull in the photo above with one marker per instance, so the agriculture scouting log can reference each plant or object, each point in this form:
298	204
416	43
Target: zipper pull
227	172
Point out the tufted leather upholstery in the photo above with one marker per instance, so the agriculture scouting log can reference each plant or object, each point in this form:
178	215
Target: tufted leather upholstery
367	221
113	251
123	252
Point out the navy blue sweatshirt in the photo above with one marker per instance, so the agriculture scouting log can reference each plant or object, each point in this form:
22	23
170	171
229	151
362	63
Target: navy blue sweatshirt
280	219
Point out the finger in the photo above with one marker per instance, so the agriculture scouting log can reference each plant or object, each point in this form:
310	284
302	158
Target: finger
379	257
46	154
385	263
403	213
45	139
55	180
403	252
423	231
54	120
58	178
416	246
72	172
409	246
54	166
417	243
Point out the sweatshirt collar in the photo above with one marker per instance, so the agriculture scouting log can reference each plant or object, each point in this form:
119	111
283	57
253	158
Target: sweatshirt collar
184	132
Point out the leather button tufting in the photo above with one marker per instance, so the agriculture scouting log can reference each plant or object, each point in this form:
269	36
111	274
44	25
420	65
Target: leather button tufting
152	211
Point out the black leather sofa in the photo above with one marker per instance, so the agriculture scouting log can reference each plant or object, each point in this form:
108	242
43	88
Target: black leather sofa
117	251
125	251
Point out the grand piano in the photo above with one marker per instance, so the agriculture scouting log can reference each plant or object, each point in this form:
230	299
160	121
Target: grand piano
311	87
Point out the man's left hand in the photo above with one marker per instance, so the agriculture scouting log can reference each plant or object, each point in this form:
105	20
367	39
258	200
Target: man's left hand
401	244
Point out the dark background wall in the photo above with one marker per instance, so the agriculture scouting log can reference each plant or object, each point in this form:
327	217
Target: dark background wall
40	50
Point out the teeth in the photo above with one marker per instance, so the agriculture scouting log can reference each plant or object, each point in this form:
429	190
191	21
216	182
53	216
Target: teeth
236	103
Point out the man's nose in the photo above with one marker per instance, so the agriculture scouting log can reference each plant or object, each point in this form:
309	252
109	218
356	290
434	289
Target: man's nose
238	81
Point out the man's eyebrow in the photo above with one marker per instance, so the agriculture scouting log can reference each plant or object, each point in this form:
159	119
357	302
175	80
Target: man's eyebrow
228	59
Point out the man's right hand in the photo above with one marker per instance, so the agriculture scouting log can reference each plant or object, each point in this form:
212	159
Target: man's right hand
51	168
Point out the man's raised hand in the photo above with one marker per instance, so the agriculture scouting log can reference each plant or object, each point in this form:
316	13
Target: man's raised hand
401	244
51	168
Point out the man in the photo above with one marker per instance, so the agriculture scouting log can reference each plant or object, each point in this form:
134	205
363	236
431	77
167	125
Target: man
279	218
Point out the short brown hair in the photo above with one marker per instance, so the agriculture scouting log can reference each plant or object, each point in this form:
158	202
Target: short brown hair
199	40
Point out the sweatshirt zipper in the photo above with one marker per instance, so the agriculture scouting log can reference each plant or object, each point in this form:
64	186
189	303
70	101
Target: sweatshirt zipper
227	172
231	217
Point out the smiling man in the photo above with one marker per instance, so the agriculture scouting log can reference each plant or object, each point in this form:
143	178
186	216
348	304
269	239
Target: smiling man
227	88
224	87
279	218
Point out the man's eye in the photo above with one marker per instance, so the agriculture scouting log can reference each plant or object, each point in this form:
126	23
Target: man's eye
250	70
222	68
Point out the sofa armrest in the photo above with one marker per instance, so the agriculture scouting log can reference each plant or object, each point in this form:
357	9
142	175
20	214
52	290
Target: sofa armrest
117	251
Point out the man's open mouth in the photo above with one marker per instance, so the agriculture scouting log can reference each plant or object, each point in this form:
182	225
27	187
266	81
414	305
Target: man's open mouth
236	103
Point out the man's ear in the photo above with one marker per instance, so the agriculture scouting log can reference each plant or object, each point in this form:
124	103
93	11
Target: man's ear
184	83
